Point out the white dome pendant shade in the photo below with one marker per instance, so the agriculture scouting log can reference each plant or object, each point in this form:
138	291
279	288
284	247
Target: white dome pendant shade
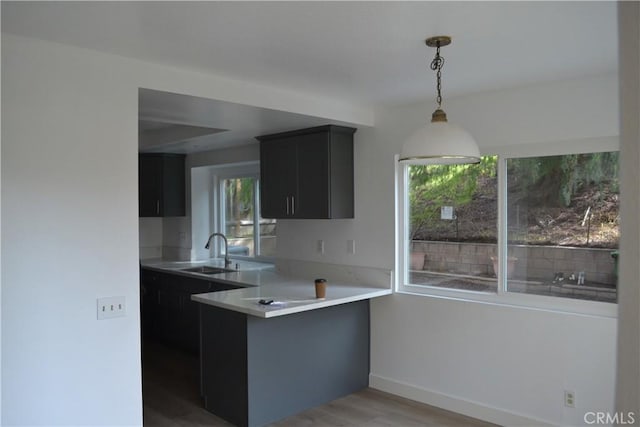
439	143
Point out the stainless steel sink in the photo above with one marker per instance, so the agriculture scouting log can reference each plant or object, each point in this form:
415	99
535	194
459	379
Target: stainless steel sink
205	269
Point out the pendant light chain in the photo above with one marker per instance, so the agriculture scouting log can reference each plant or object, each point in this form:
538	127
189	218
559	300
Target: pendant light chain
436	65
438	142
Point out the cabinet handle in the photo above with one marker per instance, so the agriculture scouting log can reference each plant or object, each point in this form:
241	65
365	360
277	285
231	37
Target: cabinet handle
157	207
287	205
293	205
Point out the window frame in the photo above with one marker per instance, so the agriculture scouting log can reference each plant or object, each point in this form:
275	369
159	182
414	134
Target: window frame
219	205
502	296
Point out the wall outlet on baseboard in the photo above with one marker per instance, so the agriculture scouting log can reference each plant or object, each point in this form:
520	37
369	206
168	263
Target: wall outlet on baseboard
111	307
320	246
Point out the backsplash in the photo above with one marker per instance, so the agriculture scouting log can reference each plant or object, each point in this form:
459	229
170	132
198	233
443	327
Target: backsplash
150	237
369	276
176	238
167	238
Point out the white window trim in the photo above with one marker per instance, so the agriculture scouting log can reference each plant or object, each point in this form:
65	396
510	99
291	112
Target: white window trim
501	297
219	174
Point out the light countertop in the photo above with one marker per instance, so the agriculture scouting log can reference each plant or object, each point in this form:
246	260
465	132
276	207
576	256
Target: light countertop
261	281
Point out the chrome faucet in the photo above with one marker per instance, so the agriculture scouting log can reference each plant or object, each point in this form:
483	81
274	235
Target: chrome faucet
227	261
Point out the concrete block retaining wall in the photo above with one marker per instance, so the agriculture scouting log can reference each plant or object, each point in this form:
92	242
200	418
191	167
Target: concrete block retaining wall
534	262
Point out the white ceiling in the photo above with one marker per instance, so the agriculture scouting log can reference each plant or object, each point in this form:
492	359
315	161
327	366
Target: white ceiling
369	53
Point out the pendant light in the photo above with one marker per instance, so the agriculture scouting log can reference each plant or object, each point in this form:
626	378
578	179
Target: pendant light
439	142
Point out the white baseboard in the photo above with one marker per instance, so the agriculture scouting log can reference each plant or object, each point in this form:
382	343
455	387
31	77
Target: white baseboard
451	403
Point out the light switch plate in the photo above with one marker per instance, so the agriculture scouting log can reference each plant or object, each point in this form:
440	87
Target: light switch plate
111	307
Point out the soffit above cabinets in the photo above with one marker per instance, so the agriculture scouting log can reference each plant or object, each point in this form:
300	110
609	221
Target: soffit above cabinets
162	136
184	124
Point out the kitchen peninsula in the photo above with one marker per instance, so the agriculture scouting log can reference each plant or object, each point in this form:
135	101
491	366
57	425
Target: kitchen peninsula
261	363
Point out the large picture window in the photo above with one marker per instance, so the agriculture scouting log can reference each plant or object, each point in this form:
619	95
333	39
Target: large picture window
511	228
563	225
452	228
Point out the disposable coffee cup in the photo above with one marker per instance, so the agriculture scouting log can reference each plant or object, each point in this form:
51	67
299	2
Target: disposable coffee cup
321	288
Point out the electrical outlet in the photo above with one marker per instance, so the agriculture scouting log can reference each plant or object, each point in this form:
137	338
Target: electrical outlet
320	246
351	247
182	236
569	399
111	307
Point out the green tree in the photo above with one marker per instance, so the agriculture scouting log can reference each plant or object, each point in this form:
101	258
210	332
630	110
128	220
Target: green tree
554	180
434	186
537	188
239	201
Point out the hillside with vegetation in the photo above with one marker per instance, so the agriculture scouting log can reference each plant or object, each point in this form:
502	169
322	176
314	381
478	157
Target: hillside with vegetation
570	200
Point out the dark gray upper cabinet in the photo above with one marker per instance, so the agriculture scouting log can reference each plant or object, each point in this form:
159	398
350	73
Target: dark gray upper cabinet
307	173
161	185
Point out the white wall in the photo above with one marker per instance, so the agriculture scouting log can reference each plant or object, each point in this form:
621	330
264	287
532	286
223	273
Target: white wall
70	223
69	166
504	364
0	241
520	118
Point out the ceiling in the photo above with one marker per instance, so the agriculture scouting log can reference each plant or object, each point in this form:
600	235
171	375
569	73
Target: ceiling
176	123
368	53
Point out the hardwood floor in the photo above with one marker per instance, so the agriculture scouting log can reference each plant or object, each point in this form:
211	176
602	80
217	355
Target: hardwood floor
171	398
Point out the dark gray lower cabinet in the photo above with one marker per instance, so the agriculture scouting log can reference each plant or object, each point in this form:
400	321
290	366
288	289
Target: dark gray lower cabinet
168	314
256	371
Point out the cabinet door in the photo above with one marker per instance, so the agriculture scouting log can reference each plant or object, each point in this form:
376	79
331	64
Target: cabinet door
149	185
168	313
161	185
149	303
173	186
221	286
312	199
278	171
190	312
307	173
170	321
